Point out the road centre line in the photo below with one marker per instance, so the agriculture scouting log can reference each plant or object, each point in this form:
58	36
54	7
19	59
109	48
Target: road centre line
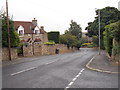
74	79
29	69
23	71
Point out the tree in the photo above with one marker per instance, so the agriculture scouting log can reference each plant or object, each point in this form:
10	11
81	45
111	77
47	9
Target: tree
108	15
14	37
74	29
68	39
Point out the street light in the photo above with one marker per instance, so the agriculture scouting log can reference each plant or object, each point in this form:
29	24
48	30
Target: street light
99	30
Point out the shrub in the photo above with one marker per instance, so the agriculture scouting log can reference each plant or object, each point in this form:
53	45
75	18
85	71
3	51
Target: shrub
50	43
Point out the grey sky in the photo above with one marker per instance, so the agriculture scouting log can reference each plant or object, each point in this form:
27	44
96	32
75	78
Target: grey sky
55	15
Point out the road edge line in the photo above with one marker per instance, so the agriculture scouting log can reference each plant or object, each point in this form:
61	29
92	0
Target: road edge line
98	70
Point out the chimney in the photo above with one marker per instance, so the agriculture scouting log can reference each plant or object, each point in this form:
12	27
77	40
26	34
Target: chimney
34	22
42	31
42	27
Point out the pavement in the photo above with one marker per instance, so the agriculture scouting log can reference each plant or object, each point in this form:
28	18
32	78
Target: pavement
102	63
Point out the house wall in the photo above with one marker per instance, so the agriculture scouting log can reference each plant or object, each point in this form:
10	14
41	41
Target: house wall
5	54
43	37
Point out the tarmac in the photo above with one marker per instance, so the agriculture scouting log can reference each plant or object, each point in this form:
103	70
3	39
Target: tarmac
99	63
102	63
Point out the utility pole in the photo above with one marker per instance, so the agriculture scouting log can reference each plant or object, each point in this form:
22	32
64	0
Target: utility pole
9	47
99	30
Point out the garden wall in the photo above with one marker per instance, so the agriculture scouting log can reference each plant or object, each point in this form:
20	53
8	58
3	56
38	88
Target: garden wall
5	54
39	50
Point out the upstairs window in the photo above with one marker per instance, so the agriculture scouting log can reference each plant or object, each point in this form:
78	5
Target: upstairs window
21	32
36	32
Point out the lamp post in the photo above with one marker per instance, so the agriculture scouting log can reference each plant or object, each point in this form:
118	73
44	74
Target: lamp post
98	29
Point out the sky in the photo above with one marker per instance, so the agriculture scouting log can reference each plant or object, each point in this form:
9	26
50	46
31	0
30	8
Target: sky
55	15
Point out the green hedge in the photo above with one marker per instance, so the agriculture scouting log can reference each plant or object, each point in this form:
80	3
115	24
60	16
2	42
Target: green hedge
54	36
112	31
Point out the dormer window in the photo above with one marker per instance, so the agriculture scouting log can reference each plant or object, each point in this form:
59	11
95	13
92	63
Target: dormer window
36	30
20	30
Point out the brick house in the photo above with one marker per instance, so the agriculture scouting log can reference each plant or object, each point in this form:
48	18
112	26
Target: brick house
30	31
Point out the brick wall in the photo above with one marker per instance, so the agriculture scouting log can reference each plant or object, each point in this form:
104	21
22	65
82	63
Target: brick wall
39	49
28	50
43	37
5	54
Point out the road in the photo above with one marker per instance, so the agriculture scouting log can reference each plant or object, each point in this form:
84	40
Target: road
58	71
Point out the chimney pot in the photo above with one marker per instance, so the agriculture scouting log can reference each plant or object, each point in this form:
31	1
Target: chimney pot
34	22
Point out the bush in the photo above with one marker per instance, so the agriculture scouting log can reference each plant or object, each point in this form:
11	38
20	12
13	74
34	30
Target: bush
89	45
50	43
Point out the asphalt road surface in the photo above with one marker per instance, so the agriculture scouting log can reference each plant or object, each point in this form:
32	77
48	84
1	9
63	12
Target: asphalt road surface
58	71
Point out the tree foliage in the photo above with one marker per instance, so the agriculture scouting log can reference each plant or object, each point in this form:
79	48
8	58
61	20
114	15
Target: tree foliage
14	37
74	29
112	31
70	40
107	15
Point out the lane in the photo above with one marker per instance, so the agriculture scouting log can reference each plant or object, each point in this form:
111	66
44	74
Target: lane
41	61
92	79
55	75
74	79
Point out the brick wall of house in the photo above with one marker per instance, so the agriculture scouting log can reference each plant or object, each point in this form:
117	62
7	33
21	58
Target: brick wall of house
5	54
43	37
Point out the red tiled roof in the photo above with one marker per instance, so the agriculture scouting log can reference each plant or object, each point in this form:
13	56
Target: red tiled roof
29	39
37	40
23	41
28	26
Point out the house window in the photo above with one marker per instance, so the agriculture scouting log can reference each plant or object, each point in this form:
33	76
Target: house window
36	31
21	32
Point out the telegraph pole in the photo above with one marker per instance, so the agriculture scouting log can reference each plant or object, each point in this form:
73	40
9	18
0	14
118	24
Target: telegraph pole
99	30
9	47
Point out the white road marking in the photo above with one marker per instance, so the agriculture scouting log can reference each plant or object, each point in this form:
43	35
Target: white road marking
79	73
90	61
23	71
82	70
77	76
74	79
50	62
66	88
70	83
